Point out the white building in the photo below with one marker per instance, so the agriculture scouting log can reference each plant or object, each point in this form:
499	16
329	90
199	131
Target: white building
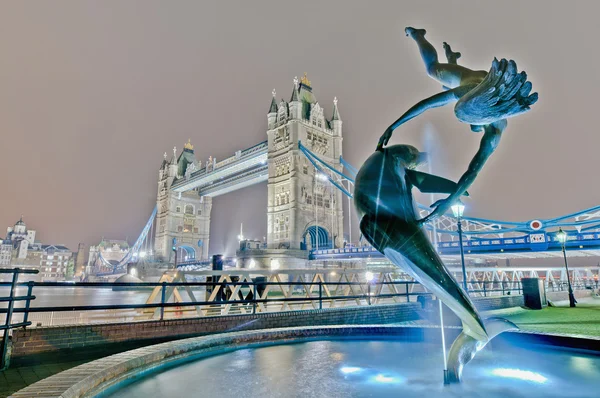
6	250
54	262
185	216
19	250
303	210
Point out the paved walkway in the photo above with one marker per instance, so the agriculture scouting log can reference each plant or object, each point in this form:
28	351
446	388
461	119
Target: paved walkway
14	379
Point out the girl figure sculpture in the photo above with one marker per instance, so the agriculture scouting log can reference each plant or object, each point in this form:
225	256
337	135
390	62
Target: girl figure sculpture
483	99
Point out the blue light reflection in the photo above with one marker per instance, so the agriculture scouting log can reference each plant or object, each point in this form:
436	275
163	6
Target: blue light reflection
519	374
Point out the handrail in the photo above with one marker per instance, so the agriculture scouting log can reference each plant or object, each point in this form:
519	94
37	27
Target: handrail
11	308
244	300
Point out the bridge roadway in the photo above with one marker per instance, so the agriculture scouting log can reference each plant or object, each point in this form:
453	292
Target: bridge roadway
245	168
580	245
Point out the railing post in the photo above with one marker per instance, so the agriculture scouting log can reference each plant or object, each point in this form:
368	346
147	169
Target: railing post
29	290
11	305
406	290
369	293
502	287
320	295
484	289
162	300
254	298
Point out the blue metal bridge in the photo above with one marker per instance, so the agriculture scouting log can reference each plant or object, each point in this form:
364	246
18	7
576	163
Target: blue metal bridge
485	238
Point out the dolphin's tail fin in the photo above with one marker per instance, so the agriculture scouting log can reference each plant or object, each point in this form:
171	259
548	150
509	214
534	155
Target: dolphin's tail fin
465	347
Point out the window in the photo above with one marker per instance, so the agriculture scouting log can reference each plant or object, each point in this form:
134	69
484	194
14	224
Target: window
189	209
287	198
305	169
277	200
187	228
319	199
320	124
327	203
308	199
199	212
179	228
178	209
195	230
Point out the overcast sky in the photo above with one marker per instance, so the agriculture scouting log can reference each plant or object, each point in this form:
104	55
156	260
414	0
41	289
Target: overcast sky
92	93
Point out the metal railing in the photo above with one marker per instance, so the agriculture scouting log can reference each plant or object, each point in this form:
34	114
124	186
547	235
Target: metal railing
580	285
11	308
167	301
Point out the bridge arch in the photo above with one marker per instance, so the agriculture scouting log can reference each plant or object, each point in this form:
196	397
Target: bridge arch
185	253
316	234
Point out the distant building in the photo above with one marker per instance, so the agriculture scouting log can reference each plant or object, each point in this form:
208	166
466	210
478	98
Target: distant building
80	260
54	262
19	250
6	250
20	238
112	251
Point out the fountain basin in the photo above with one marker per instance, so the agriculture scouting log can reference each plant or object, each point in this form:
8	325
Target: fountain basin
349	361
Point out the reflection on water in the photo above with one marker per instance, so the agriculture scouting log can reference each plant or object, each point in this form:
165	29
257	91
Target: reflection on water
373	369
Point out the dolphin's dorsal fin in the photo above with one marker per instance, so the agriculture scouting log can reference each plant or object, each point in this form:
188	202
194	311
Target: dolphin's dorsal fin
428	183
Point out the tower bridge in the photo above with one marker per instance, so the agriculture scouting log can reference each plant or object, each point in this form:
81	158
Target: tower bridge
307	178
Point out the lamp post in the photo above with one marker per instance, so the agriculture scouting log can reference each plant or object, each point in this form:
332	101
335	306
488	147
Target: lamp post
458	209
562	237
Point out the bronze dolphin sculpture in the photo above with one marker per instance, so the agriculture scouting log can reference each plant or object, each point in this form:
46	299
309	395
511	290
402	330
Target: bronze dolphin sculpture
388	221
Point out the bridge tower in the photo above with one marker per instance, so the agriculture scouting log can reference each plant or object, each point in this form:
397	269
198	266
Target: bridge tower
303	211
184	216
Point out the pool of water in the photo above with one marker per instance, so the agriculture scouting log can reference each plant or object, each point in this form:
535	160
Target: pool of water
372	368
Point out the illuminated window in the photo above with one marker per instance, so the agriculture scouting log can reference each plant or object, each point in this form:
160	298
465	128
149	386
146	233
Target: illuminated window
187	228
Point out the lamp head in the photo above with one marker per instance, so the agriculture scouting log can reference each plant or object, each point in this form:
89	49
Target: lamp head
458	209
561	235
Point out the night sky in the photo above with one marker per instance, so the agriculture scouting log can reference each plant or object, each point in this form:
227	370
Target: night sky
93	93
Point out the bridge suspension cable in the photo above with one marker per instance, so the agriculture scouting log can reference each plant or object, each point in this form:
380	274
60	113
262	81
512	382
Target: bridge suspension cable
577	222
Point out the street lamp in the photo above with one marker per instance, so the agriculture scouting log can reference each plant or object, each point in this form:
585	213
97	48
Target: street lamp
562	238
458	209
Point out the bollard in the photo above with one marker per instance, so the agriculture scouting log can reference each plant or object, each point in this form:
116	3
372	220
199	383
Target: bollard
162	300
254	298
320	295
29	291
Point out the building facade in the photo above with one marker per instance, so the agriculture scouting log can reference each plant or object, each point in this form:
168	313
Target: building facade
182	219
6	250
20	250
55	261
304	210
